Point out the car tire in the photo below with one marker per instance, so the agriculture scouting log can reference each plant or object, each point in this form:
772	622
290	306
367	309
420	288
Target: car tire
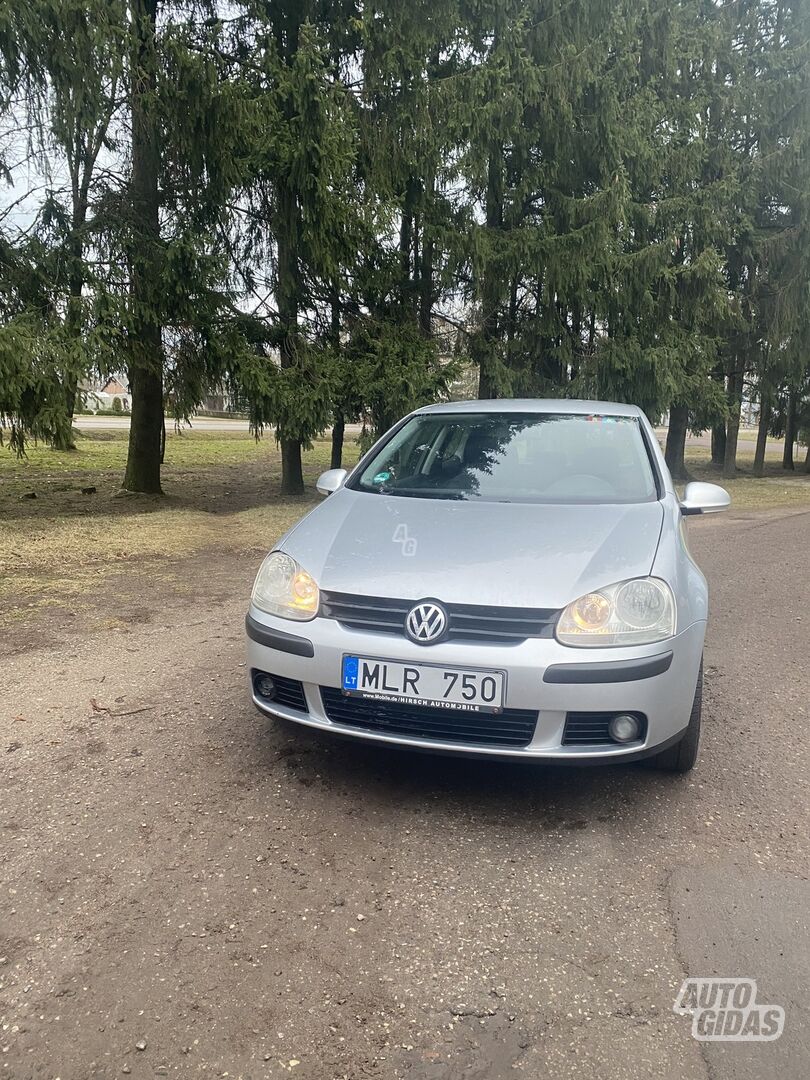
681	757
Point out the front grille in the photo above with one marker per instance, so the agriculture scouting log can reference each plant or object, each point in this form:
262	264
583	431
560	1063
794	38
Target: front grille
288	692
591	728
512	727
466	622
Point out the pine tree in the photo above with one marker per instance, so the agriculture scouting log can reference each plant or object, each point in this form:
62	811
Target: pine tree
145	360
661	344
594	199
62	63
194	126
297	210
766	262
31	344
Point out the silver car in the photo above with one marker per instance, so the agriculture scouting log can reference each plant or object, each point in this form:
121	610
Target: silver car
501	578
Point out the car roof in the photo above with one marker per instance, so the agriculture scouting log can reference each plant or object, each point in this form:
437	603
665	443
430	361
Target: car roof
567	406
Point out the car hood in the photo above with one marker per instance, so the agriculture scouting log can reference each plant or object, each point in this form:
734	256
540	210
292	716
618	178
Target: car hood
505	554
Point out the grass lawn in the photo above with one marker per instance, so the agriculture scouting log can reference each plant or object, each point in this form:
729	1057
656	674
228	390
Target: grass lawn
222	496
776	488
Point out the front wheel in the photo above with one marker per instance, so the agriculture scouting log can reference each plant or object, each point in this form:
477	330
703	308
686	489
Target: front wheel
681	757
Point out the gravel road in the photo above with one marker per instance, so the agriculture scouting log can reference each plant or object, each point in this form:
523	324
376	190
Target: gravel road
187	889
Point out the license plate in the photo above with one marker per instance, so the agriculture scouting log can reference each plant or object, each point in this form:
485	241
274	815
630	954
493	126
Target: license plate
462	689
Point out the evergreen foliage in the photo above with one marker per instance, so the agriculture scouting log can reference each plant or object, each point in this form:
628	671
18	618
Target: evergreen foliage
330	208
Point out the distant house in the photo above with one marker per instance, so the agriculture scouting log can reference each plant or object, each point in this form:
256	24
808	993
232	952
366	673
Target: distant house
95	399
218	404
114	388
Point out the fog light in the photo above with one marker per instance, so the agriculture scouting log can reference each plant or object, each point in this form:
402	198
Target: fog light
265	687
623	728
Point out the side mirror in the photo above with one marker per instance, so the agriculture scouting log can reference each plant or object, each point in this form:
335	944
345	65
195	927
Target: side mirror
700	498
331	480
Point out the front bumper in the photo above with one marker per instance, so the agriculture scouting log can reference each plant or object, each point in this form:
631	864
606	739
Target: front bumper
542	675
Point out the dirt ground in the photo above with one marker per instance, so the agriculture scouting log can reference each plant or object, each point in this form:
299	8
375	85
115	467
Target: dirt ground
189	889
74	547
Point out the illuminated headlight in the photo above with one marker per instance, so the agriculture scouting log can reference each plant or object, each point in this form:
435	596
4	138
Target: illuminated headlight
635	612
284	588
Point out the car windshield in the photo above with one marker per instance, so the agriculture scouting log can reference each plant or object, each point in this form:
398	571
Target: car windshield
514	457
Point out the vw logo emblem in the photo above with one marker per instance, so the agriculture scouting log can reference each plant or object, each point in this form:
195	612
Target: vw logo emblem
426	623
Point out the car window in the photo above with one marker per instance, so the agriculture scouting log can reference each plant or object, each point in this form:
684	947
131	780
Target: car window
514	457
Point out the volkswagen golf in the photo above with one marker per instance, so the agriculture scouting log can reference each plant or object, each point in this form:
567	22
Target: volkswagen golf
502	578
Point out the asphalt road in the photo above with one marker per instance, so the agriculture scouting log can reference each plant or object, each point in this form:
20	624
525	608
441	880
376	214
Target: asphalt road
121	423
747	441
188	889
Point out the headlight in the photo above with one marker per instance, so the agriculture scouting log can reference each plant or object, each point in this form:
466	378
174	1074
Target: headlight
634	612
283	588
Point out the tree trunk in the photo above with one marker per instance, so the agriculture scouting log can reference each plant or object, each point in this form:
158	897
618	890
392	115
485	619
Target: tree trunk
339	420
486	383
762	433
74	322
63	437
71	390
292	471
338	429
490	289
408	285
730	457
735	388
428	250
719	428
790	432
426	280
719	443
146	346
807	459
676	442
146	425
292	475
